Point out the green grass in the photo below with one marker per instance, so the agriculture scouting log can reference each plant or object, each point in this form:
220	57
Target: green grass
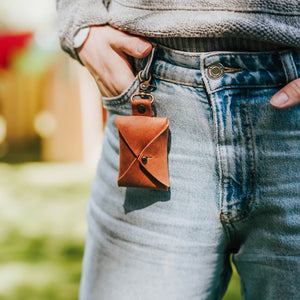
42	218
42	230
233	291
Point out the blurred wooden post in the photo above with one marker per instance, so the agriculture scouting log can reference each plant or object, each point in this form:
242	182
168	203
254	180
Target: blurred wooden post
20	97
67	94
61	97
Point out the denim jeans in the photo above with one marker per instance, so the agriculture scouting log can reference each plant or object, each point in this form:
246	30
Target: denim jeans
234	186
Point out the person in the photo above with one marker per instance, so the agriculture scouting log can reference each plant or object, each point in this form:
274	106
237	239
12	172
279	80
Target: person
226	75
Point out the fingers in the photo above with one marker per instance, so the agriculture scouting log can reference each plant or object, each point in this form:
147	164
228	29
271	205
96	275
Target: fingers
131	45
117	77
107	53
287	96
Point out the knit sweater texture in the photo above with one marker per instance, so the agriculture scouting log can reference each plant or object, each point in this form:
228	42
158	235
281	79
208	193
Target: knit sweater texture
263	21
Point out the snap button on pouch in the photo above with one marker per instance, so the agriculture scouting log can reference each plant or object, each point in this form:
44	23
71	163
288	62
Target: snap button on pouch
215	71
144	159
141	108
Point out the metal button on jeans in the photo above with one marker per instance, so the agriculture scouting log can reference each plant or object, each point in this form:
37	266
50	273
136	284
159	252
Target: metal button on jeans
215	71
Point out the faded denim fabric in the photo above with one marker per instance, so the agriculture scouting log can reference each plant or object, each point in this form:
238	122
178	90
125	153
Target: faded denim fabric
235	186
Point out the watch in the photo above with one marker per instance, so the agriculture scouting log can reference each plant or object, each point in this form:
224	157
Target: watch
81	36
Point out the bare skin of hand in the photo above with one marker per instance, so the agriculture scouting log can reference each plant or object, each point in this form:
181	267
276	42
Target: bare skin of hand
107	53
287	96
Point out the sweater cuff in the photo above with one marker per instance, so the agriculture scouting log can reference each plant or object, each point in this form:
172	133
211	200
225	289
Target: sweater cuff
74	15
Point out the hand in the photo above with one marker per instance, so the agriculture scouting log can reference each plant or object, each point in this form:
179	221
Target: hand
287	96
107	53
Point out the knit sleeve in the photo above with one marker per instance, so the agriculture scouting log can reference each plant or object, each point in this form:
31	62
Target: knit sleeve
76	14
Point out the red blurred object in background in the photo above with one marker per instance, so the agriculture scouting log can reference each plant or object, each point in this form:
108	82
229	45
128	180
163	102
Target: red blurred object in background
10	44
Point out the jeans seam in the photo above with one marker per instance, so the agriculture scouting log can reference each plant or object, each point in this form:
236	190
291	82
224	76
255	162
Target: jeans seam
216	133
293	66
223	87
123	99
218	153
285	68
294	57
289	67
251	177
176	81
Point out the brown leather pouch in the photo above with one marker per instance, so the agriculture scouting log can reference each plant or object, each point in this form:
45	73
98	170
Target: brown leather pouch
143	147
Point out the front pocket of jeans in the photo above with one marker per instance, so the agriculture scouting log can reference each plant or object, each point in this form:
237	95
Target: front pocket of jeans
122	99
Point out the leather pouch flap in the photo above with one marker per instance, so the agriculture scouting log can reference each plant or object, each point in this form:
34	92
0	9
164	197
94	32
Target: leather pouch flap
143	150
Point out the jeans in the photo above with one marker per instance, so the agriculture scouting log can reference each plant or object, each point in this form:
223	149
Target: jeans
234	186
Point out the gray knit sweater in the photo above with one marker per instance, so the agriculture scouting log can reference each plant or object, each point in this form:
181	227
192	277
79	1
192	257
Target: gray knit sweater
248	22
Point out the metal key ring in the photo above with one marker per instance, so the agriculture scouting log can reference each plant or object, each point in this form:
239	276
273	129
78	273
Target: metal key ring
143	96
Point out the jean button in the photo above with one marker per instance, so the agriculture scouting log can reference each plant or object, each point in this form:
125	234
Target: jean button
215	71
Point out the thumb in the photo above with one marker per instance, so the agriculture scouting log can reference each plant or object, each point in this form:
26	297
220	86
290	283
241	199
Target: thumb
287	96
131	45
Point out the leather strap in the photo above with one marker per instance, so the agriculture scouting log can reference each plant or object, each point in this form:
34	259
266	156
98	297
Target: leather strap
141	107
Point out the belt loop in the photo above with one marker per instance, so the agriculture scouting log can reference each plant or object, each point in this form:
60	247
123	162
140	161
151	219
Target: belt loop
289	65
145	72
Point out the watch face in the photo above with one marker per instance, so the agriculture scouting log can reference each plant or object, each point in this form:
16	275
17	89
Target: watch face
81	36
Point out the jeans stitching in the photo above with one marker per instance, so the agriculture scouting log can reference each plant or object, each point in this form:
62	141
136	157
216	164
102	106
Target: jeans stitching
285	67
293	65
289	67
223	87
123	99
251	177
218	152
177	81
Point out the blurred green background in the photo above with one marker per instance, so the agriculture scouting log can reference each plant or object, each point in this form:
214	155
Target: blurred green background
42	213
50	140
